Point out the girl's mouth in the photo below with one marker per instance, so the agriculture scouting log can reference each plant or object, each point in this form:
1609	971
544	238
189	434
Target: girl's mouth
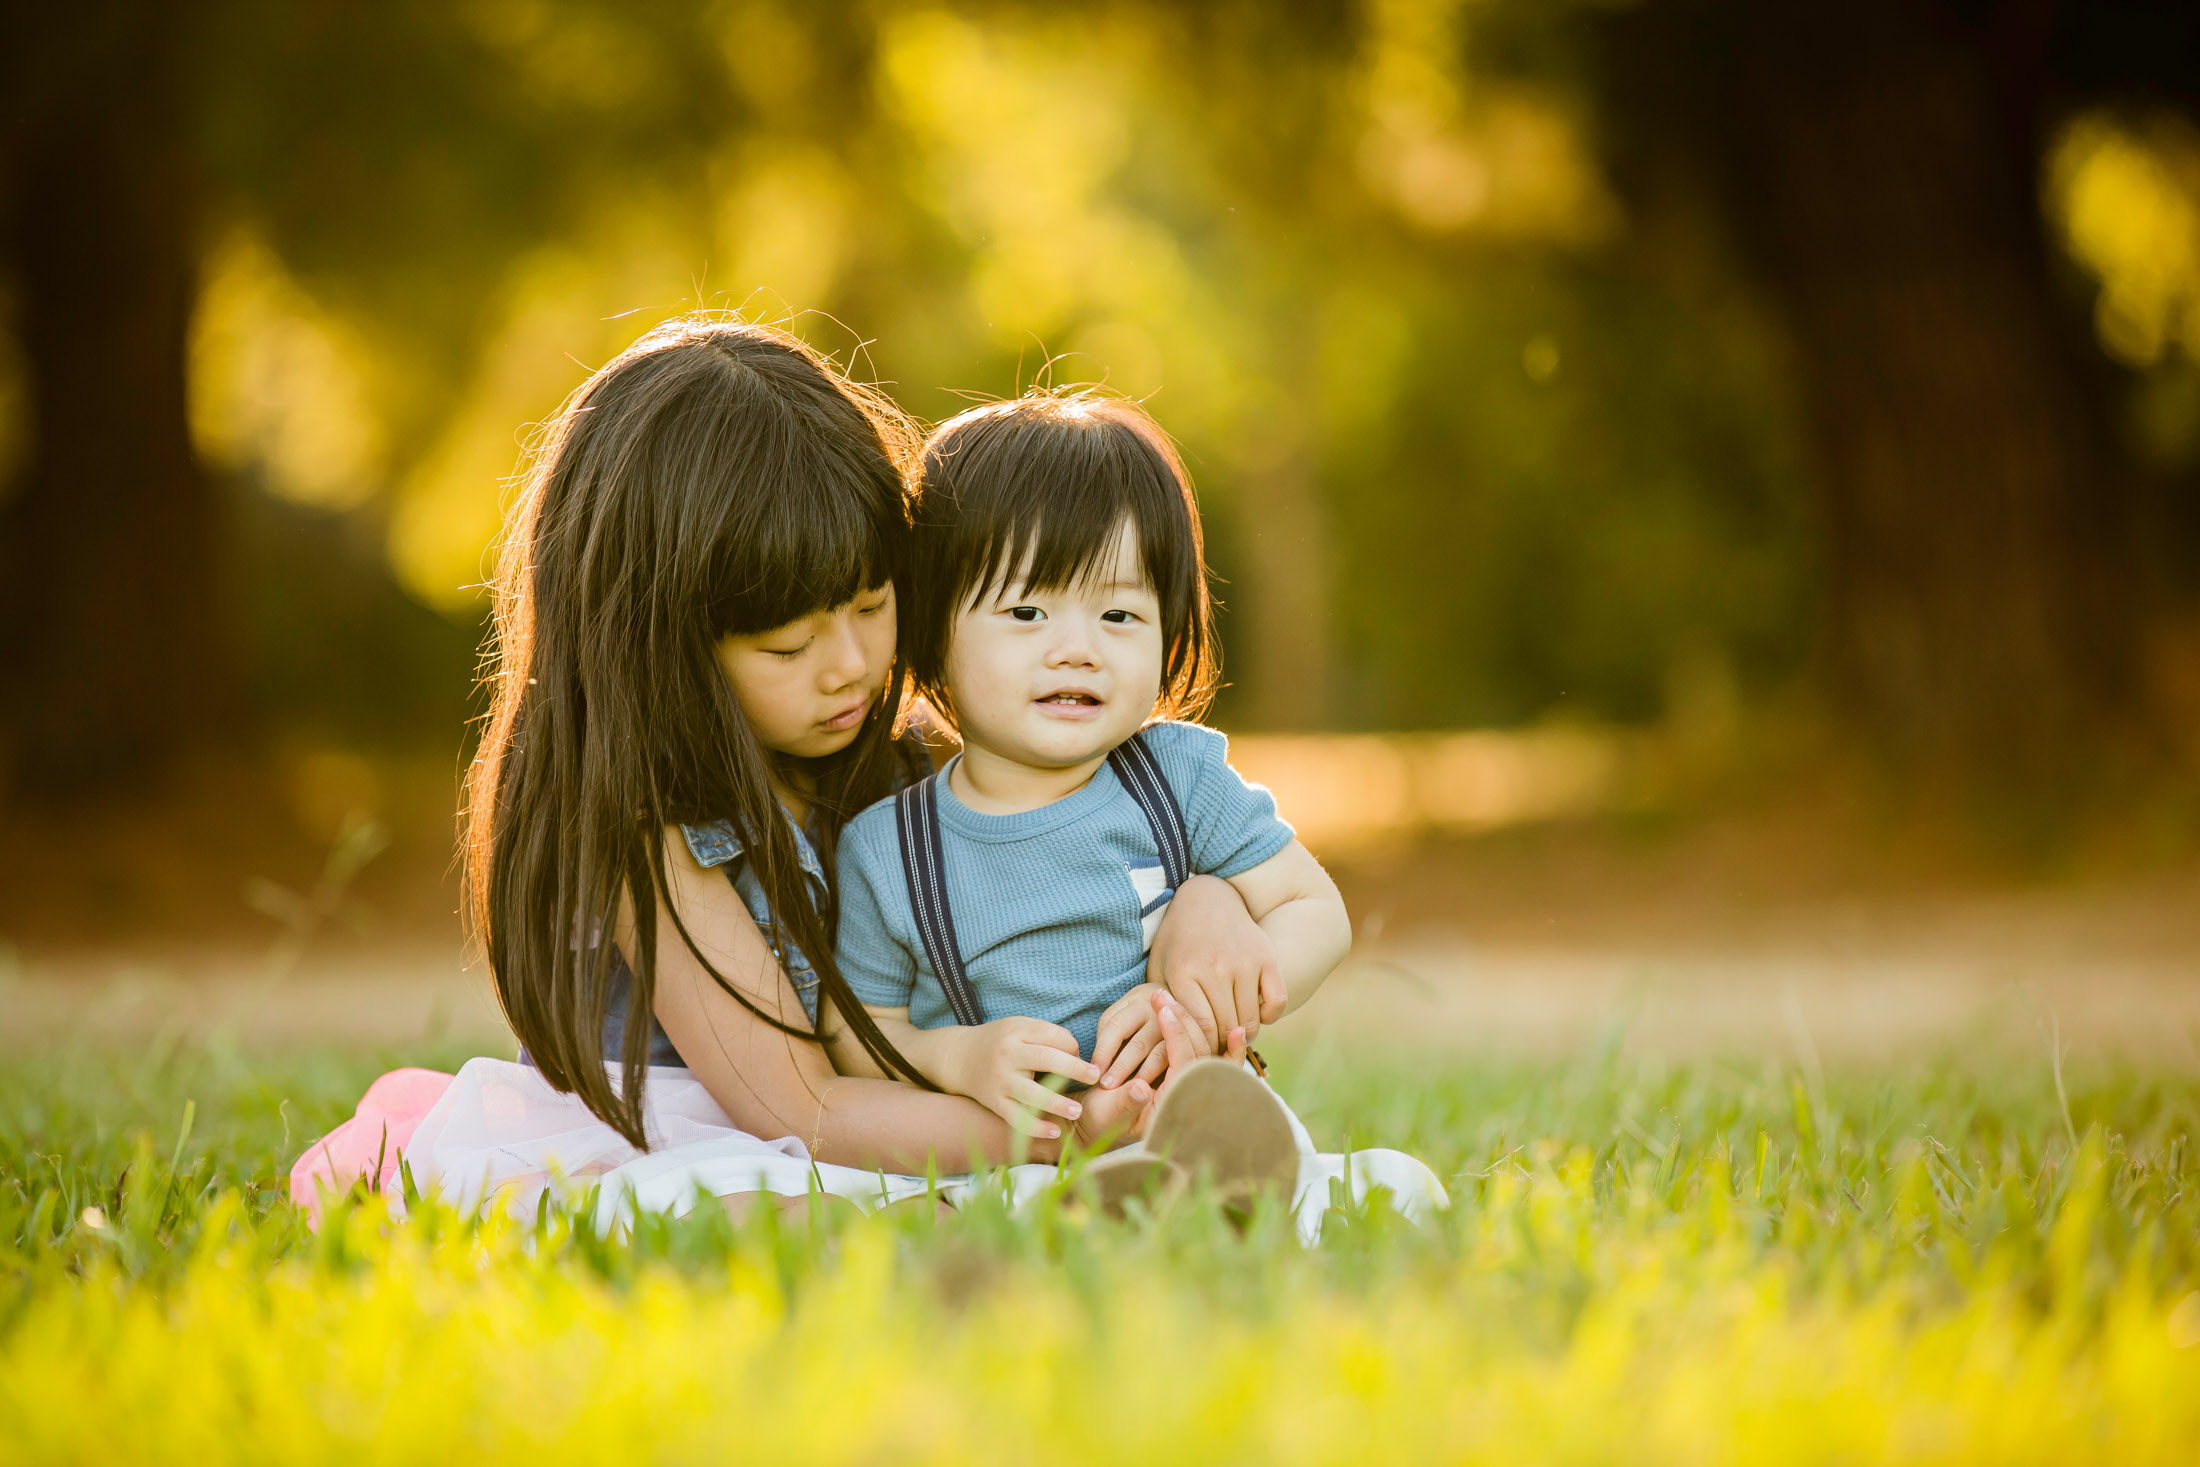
1070	700
847	718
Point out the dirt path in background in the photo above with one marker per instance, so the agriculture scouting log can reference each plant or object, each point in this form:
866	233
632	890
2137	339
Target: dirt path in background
1756	935
1840	981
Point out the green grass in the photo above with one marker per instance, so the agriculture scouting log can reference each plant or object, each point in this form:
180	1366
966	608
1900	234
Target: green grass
1959	1260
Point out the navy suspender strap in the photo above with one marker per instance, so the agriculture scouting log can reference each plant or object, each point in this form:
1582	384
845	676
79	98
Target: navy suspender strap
917	814
1140	774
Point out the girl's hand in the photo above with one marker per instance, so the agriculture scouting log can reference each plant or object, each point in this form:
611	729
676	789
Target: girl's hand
995	1064
1216	961
1129	1045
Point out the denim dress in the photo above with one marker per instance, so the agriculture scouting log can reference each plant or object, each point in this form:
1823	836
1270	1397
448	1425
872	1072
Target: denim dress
718	845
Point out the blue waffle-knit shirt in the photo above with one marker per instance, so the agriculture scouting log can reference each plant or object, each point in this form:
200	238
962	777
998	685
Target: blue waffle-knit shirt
1054	908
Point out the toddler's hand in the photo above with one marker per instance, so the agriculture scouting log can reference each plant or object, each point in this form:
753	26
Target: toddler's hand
995	1065
1116	1116
1129	1045
1216	961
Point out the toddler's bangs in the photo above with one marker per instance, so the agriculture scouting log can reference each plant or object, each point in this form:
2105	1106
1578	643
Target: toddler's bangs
1042	495
1036	491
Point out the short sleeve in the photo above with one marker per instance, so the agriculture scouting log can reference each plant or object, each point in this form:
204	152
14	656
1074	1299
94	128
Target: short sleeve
1232	826
880	967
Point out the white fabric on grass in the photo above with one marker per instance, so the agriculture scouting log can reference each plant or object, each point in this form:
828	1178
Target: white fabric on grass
500	1134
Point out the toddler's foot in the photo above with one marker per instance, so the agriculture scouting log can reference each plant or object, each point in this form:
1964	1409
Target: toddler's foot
1113	1180
1215	1120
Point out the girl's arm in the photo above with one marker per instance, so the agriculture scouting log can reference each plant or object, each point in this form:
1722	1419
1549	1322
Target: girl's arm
773	1084
993	1063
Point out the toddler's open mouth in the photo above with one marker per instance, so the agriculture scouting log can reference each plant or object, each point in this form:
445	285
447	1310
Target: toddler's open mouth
1070	700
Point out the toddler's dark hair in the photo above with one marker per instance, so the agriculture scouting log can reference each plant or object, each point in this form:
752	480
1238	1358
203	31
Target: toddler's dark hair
1042	484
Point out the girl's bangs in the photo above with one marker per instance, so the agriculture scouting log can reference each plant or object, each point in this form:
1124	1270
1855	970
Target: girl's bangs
794	562
803	533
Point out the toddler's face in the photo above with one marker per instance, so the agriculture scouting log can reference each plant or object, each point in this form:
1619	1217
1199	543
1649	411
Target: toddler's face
807	686
1055	679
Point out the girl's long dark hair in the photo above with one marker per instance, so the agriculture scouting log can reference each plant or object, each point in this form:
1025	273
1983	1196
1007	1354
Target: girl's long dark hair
716	478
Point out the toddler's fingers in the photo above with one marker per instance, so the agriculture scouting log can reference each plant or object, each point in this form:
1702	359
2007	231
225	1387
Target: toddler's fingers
1022	1120
1044	1059
1142	1096
1040	1032
1135	1055
1245	998
1123	1021
1032	1095
1175	1034
1156	1062
1235	1050
1273	994
1198	1011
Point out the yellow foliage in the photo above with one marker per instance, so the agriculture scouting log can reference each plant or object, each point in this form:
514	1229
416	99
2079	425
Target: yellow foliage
2127	198
279	384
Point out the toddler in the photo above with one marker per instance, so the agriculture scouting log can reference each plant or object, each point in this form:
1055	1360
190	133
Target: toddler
995	918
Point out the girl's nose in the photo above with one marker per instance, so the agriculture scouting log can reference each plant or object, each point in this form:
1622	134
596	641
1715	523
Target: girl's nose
843	662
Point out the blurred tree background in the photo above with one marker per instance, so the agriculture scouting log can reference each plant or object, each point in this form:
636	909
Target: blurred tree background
1536	358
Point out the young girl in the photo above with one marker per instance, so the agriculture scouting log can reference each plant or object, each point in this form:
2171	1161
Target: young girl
995	919
695	686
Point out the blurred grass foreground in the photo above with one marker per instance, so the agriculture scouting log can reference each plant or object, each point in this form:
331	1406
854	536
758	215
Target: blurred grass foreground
1960	1263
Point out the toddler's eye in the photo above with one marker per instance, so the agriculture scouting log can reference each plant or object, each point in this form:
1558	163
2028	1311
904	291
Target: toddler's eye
1117	617
1026	613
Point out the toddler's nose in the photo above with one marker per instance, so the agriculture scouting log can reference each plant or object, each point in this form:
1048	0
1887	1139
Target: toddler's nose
1072	647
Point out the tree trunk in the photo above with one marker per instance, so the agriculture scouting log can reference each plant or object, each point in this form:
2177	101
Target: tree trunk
1977	616
1879	161
110	638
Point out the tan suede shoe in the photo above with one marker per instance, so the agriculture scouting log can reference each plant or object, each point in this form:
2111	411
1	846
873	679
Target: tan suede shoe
1216	1120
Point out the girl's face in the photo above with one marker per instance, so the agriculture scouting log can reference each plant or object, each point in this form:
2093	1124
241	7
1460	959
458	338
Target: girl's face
806	687
1054	679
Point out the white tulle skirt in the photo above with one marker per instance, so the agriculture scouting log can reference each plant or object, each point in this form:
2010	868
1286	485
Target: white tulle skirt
499	1134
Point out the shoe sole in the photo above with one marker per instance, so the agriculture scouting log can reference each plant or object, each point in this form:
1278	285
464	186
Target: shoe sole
1113	1180
1219	1121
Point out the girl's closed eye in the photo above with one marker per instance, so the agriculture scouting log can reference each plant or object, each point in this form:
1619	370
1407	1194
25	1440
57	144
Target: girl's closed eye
790	653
